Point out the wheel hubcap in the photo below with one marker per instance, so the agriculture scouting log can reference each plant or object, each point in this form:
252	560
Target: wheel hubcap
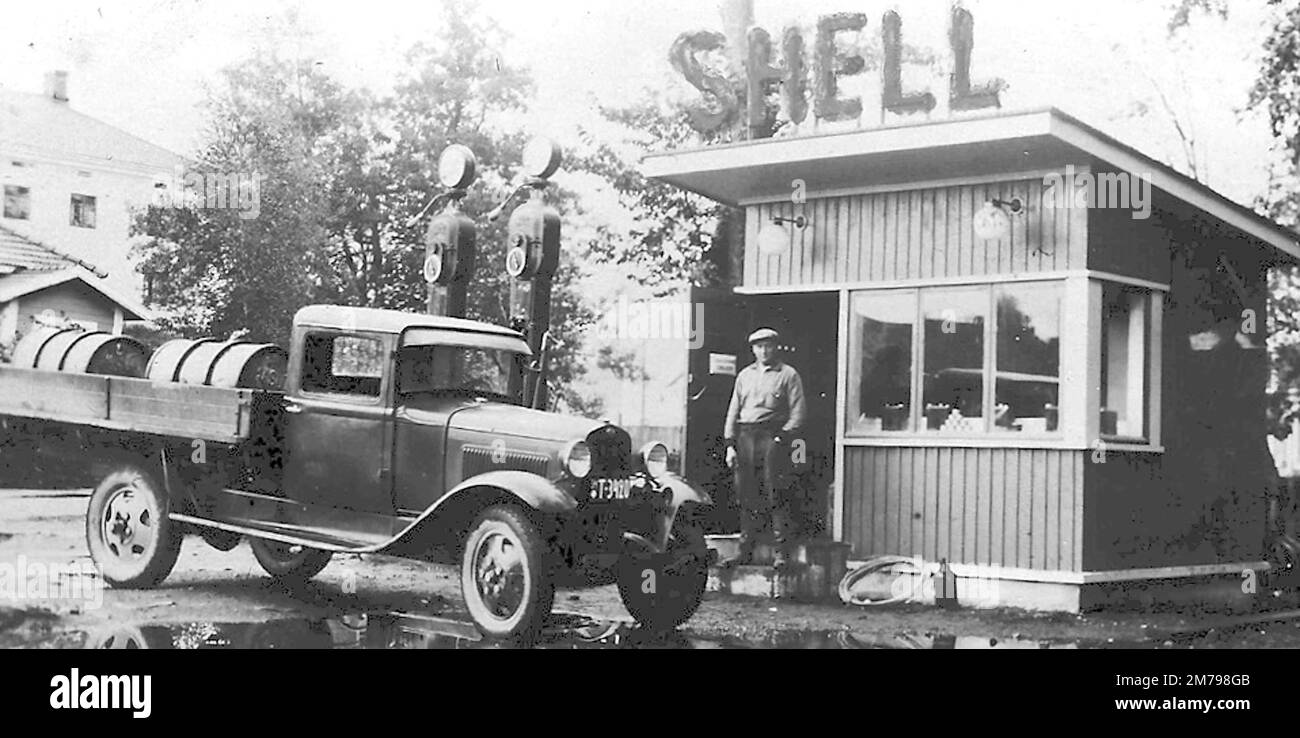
129	526
500	574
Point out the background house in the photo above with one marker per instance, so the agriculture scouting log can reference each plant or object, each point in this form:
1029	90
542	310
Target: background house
70	180
40	285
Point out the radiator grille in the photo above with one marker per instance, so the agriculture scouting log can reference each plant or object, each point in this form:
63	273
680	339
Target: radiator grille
611	451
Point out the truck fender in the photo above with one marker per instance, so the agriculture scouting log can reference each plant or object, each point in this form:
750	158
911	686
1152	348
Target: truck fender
452	513
686	495
684	491
540	493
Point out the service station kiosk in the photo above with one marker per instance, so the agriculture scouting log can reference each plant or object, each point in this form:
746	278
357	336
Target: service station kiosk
1014	363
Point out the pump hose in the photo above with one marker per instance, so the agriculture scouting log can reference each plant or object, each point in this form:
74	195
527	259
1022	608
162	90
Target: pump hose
871	566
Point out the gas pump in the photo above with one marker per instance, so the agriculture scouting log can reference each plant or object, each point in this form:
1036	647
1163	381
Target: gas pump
449	241
532	256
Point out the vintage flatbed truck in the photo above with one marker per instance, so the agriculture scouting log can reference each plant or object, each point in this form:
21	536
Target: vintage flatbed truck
395	433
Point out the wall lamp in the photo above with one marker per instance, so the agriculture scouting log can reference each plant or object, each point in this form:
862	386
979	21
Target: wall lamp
774	237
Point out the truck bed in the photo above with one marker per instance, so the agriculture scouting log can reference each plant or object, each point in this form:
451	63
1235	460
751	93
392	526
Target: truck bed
140	405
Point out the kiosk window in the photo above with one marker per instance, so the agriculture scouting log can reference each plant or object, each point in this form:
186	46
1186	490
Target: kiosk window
351	365
880	338
923	360
1125	355
1028	357
953	345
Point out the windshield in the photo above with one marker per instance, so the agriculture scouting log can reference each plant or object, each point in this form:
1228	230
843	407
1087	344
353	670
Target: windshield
456	369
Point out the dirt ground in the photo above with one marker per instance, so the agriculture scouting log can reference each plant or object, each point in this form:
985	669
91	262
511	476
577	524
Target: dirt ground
214	598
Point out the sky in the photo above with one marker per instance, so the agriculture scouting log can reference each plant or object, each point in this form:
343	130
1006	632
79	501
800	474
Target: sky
145	65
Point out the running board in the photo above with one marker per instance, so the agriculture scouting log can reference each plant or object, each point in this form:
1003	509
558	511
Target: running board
270	533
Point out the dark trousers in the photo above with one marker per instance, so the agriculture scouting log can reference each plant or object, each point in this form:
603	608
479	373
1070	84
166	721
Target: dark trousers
761	484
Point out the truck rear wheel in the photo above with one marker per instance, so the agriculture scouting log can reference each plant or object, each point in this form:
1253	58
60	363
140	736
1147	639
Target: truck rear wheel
128	530
662	591
505	577
288	563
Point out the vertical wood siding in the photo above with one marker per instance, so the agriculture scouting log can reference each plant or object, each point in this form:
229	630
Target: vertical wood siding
1002	507
916	234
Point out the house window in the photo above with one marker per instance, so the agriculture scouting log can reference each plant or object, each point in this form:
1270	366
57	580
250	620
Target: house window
82	211
352	365
1125	357
923	360
18	202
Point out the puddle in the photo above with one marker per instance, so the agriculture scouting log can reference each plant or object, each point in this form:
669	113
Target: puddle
564	631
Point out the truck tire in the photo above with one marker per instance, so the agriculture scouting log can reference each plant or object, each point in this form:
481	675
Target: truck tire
505	574
129	532
287	563
662	591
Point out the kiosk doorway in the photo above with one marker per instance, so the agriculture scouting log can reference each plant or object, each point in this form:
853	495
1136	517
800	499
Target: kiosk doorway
808	324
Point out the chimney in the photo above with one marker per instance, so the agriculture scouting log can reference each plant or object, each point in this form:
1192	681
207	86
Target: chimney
56	85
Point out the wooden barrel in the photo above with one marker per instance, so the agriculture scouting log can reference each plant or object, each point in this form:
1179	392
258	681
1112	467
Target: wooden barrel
32	345
56	348
232	364
105	353
81	352
165	364
250	366
197	367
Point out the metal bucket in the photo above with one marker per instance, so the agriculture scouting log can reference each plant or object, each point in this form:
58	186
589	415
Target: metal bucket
165	364
216	363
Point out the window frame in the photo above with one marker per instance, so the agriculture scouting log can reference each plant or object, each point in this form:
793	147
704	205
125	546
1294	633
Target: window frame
72	210
336	395
25	191
1152	377
987	435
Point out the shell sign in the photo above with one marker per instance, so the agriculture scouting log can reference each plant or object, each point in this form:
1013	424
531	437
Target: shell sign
727	101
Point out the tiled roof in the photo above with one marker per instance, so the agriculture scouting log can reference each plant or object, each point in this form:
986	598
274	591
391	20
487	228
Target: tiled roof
20	253
41	126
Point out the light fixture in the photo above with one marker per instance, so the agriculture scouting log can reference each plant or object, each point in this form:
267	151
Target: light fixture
541	157
993	219
774	237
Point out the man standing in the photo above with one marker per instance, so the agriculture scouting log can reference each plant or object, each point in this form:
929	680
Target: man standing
766	412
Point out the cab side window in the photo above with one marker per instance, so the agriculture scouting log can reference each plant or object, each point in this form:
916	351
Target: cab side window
351	365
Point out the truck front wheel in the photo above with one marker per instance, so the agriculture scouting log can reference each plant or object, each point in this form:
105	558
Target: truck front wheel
287	563
664	590
128	531
505	577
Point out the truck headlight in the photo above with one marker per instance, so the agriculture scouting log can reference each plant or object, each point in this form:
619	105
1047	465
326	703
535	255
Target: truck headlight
654	456
576	459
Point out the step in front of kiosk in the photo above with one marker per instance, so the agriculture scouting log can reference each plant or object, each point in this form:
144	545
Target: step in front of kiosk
814	572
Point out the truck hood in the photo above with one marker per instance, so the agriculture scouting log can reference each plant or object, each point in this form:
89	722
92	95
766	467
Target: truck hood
503	419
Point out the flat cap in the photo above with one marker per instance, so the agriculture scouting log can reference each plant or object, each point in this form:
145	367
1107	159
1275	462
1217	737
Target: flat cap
763	334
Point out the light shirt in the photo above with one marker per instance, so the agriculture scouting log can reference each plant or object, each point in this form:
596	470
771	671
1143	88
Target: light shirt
772	393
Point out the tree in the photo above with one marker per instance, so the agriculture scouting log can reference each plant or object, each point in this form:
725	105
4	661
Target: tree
345	177
1275	92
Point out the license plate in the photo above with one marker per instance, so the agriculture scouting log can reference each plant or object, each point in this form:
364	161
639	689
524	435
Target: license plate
611	489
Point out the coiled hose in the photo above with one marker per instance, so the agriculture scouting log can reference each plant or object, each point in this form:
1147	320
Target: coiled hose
872	566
